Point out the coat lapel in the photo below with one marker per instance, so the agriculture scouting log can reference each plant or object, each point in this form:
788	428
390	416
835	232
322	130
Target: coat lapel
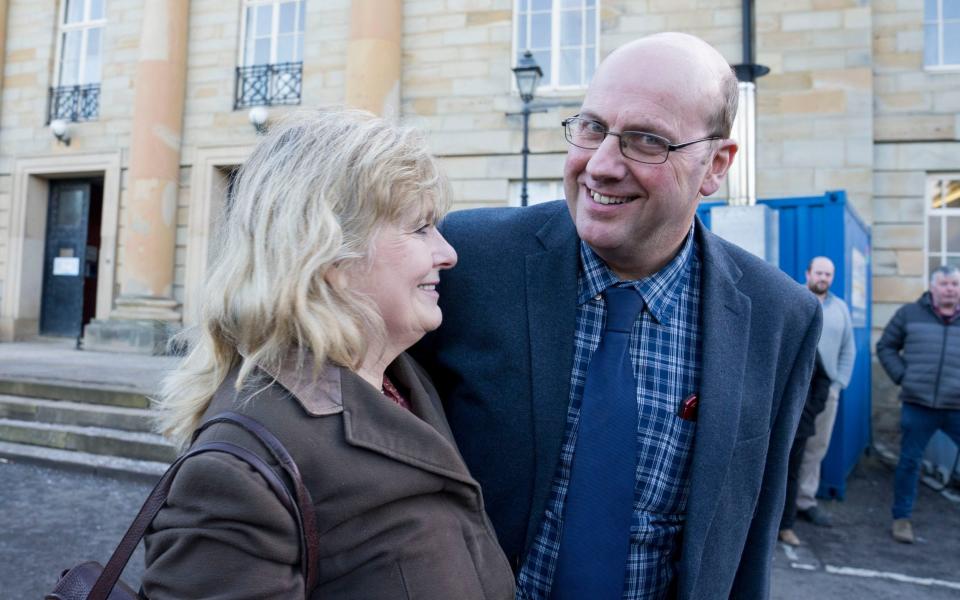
425	403
421	440
725	324
551	288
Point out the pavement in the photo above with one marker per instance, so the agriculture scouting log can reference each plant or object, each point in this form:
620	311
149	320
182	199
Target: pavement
858	558
53	519
56	360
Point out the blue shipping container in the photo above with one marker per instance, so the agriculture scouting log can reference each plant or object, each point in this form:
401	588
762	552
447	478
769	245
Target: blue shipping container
828	226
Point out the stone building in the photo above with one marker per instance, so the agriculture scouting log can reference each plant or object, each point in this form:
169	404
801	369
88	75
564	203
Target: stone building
151	100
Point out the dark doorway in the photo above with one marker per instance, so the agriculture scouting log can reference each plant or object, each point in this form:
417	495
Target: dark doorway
70	259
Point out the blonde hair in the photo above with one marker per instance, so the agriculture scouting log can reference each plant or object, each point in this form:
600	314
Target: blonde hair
311	197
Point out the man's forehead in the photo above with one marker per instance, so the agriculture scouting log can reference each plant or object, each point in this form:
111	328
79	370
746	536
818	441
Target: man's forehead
635	102
821	264
629	117
947	278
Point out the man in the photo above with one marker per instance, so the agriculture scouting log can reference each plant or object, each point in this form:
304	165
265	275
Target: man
816	399
625	385
920	351
838	353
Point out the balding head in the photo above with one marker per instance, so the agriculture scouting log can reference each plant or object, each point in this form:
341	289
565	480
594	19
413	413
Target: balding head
704	72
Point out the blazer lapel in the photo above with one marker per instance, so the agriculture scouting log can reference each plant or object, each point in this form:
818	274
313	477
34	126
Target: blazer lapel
725	324
551	288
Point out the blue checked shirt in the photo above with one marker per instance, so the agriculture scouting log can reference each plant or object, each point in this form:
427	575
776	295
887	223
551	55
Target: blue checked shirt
665	349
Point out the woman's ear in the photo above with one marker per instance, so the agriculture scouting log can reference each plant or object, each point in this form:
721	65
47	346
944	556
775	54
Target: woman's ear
336	276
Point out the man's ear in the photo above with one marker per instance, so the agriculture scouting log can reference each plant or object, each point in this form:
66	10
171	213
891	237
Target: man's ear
719	165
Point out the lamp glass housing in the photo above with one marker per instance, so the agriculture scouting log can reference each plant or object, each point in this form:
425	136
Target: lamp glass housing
528	74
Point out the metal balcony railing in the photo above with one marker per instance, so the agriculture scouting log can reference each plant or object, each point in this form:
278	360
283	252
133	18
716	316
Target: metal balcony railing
268	85
74	102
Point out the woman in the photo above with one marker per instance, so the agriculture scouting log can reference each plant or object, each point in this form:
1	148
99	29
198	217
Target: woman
327	270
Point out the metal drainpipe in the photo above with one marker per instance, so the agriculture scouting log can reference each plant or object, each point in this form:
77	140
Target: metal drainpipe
743	175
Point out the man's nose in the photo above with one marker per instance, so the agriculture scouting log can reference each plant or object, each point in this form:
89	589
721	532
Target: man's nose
607	161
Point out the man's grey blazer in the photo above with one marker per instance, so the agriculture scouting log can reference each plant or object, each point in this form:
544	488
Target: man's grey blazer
502	360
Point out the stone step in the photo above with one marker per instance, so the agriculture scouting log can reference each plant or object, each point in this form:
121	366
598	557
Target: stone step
94	440
66	412
112	466
73	391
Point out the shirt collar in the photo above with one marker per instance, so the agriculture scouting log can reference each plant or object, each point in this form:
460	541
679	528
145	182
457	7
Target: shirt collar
659	291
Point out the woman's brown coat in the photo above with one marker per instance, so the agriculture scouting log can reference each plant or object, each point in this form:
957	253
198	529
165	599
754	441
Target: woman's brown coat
398	514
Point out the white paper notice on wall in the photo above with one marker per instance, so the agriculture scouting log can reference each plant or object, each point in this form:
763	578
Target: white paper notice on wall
858	288
68	266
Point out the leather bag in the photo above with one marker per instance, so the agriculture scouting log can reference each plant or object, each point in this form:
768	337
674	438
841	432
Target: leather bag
91	581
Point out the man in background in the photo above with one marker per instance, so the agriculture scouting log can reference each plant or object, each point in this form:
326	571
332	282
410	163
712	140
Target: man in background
838	353
920	351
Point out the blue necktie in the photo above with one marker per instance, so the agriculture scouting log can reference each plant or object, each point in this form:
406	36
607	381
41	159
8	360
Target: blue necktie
595	540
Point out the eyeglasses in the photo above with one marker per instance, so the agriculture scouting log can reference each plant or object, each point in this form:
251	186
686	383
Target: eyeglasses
640	146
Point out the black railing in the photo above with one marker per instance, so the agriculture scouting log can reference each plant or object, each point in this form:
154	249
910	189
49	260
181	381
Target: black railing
268	85
74	102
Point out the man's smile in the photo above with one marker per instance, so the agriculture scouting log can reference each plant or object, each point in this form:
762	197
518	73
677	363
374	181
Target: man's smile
607	199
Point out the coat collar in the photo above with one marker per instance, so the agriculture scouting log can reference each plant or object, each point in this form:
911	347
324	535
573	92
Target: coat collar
725	330
421	438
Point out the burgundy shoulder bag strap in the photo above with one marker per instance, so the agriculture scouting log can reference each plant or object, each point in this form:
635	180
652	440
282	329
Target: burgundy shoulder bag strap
298	503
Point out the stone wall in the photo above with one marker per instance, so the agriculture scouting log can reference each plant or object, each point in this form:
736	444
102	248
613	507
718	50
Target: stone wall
814	108
457	86
214	50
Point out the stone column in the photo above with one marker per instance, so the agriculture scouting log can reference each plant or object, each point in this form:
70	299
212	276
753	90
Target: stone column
373	56
145	312
3	38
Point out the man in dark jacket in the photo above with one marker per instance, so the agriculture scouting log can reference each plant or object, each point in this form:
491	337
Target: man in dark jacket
814	405
920	351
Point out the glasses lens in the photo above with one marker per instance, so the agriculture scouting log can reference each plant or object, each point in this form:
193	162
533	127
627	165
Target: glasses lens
584	133
644	147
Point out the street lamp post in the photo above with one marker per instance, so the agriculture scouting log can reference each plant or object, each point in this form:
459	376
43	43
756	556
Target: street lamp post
528	75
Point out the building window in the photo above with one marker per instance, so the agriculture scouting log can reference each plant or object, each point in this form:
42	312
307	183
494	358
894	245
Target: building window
943	221
76	95
562	35
941	33
271	61
538	190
